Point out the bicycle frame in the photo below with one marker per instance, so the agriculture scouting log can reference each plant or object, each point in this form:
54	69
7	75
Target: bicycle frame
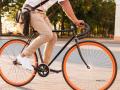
74	37
43	69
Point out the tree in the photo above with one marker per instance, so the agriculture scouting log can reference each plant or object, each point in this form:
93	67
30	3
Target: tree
9	7
0	17
100	14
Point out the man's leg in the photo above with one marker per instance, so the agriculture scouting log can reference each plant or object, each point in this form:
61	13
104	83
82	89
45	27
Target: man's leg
49	48
36	43
39	24
50	44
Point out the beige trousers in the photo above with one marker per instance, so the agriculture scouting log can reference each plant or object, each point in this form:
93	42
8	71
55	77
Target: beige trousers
41	23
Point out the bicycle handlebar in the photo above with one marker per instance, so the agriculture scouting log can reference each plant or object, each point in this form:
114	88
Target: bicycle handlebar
87	30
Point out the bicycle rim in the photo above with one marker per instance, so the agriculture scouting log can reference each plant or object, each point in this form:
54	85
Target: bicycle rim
103	67
13	74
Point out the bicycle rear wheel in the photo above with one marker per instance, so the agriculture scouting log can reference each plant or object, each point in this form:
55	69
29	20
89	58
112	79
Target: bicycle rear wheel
15	74
103	67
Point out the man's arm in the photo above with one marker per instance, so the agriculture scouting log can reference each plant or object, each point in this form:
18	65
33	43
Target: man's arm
70	13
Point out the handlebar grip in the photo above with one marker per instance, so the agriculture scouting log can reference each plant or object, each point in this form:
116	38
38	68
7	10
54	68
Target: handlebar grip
87	30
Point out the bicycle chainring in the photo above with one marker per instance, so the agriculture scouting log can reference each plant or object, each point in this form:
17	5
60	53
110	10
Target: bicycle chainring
43	70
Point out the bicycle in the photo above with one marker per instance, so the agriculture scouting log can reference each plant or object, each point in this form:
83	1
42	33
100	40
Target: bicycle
85	61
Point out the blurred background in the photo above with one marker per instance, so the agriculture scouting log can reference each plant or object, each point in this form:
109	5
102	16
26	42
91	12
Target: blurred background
99	14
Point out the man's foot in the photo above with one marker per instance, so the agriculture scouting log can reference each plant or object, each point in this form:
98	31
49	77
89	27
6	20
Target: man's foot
25	61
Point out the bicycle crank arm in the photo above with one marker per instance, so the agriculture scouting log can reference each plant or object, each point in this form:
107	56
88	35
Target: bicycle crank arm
55	71
51	70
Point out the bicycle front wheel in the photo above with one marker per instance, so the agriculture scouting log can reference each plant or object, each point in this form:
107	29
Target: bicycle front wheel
103	67
11	72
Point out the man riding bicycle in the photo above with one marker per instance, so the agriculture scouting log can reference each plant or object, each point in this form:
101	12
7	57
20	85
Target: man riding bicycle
40	22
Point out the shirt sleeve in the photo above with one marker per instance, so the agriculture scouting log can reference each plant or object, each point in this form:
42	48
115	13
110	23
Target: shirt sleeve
60	1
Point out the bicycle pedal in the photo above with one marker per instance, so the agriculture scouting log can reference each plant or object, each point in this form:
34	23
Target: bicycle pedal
16	63
55	71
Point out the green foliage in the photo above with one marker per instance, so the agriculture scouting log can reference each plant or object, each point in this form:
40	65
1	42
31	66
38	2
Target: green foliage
9	7
100	14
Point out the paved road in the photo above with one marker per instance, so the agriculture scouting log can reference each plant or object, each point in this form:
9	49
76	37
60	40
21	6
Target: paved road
56	81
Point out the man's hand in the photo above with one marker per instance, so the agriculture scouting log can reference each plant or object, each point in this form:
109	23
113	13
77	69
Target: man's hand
80	24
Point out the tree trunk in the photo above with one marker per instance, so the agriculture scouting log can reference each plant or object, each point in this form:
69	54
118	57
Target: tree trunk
54	24
0	26
62	24
0	18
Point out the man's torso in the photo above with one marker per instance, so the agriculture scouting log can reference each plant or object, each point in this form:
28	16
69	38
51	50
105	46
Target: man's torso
45	7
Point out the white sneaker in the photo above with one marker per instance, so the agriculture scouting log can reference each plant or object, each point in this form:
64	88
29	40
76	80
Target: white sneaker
25	61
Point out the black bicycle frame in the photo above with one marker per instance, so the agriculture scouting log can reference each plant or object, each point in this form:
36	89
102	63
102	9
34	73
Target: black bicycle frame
75	37
61	50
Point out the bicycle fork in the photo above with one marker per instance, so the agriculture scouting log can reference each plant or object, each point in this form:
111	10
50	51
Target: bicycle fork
77	45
